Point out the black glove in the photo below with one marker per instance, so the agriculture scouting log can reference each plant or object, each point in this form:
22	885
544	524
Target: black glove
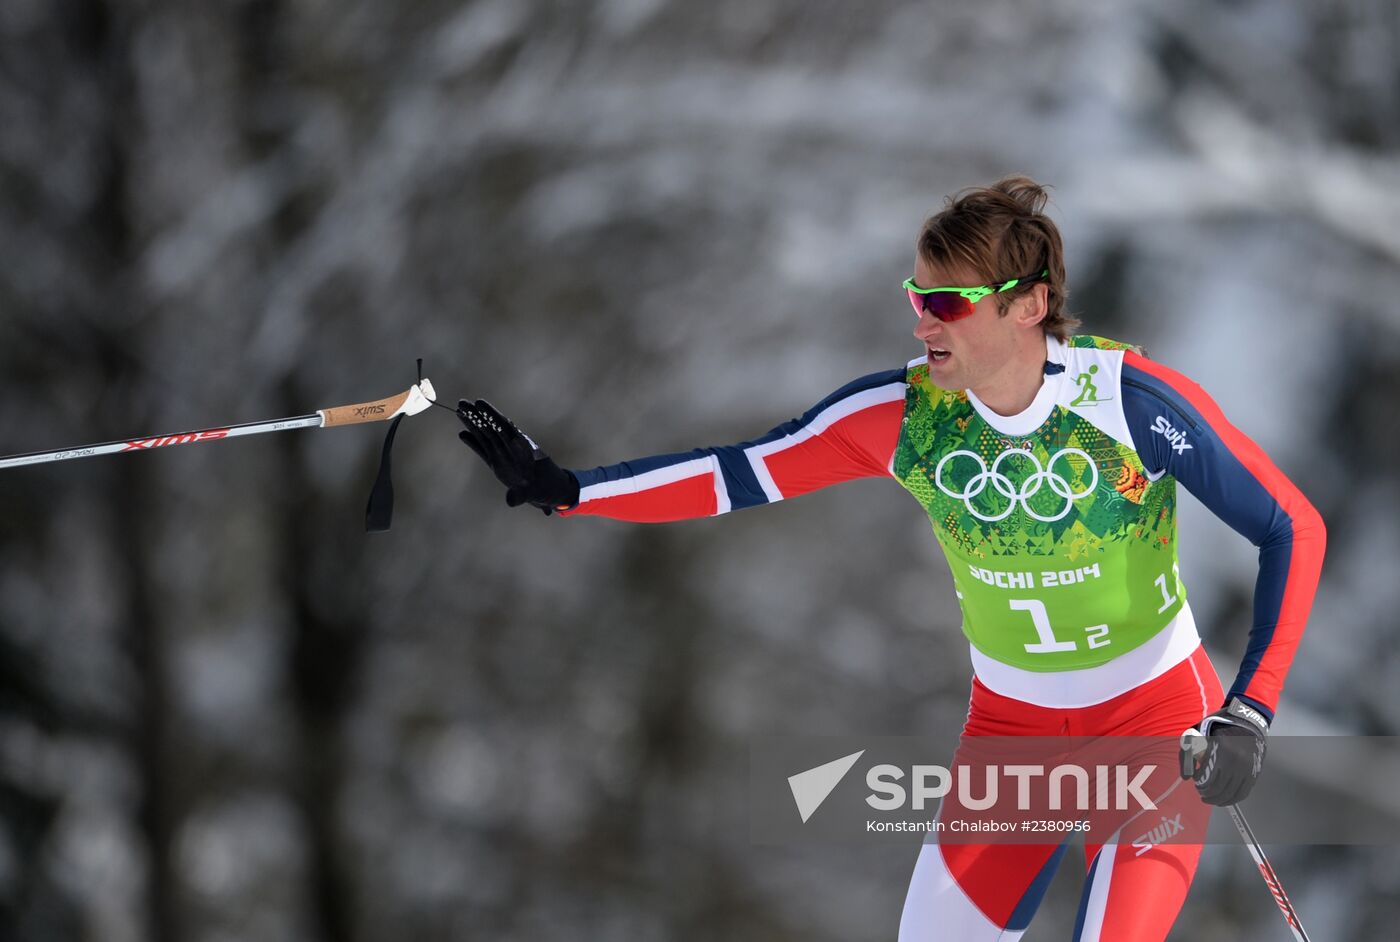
1236	739
530	476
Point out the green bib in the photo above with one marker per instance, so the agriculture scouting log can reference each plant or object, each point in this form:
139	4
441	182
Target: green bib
1063	551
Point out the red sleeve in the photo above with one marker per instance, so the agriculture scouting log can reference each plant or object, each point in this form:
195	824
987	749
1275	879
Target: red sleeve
850	434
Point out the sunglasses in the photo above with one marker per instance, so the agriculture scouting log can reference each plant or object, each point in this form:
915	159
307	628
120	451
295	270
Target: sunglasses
953	304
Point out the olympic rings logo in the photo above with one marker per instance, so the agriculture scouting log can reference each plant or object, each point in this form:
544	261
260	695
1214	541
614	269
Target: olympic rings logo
1007	488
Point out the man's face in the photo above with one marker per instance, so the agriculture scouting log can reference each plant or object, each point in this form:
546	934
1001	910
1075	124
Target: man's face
963	354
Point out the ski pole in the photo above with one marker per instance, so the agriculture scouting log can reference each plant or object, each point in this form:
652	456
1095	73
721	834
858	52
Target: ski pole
1193	742
409	402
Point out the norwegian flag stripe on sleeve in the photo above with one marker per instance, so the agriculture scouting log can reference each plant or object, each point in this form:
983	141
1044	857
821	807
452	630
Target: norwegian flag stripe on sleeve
850	434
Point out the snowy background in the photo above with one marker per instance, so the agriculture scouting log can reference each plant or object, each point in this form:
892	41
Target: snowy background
636	226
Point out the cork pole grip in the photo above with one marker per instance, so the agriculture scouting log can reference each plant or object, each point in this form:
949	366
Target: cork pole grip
375	411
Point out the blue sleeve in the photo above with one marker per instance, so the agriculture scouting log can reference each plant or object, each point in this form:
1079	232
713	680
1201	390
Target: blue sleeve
1178	430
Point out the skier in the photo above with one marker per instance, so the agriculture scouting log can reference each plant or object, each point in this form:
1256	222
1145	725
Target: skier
1047	464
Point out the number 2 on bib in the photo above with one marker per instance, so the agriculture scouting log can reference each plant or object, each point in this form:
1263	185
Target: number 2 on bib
1097	635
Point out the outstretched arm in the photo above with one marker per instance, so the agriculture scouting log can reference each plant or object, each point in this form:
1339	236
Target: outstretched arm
850	434
1178	429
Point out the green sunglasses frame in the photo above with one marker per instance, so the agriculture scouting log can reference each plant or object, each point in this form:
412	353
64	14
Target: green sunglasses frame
977	293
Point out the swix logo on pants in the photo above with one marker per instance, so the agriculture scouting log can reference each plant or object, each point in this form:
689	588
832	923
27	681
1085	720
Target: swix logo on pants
1169	827
185	439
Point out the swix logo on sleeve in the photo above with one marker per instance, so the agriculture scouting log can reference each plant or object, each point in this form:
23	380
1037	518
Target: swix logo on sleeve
1176	437
185	439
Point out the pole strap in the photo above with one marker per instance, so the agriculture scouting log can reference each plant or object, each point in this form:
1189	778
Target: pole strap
380	509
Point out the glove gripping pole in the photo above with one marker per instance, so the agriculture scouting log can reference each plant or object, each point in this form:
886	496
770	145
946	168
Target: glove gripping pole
1193	747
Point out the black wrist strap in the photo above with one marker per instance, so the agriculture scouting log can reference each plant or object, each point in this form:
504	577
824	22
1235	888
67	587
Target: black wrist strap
380	509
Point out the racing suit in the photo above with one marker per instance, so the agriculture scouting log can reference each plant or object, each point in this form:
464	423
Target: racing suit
1059	525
